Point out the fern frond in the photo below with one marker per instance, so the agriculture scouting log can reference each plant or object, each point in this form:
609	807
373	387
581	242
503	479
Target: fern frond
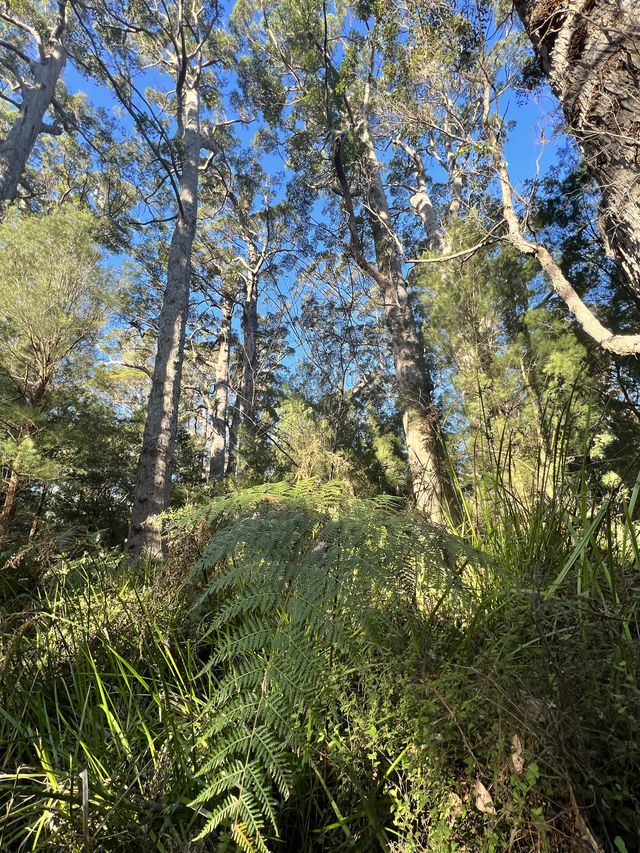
301	587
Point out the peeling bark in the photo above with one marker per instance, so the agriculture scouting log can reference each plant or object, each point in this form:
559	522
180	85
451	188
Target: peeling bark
590	51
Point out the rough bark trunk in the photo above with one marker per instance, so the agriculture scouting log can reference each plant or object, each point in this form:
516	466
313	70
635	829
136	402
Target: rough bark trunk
153	486
245	402
37	97
420	417
221	398
590	50
10	501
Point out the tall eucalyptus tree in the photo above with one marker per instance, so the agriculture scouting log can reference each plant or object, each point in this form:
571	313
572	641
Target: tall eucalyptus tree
326	71
180	43
33	54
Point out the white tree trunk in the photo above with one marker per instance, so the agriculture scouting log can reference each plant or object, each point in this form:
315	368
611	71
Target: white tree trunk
420	417
221	398
37	97
153	485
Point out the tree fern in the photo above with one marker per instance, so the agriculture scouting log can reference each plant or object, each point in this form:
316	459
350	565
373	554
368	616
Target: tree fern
299	584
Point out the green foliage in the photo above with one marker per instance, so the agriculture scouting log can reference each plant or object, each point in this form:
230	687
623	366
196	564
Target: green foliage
96	456
388	455
306	442
95	679
54	299
334	674
53	293
513	366
301	585
315	668
23	457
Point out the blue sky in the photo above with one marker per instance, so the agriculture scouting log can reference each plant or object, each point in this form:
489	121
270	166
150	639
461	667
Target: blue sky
533	116
526	156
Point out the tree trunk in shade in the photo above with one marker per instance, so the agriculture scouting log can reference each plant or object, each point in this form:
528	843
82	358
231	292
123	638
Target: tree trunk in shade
153	484
10	501
590	51
221	397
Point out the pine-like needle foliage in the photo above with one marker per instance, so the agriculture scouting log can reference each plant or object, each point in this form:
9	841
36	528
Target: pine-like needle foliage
302	588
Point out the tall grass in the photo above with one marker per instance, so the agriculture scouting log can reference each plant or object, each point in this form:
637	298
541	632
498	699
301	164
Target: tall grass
101	697
509	725
557	646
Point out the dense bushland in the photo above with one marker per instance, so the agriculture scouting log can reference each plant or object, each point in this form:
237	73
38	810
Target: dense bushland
319	426
312	670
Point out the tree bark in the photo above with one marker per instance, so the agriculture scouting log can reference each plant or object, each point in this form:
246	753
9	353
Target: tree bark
245	399
590	51
10	501
37	97
221	397
153	486
420	417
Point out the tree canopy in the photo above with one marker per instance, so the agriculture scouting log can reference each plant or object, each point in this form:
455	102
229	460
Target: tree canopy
319	425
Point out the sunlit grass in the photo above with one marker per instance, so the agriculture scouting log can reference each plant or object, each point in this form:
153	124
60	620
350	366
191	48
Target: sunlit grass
527	627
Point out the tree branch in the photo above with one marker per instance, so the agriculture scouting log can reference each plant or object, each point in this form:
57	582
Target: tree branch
356	246
14	49
586	319
488	240
21	25
51	129
618	344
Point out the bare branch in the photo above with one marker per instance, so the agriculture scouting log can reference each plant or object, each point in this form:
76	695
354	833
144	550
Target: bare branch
487	240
